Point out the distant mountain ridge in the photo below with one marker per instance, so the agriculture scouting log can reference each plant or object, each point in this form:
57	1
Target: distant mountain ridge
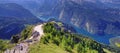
13	18
14	10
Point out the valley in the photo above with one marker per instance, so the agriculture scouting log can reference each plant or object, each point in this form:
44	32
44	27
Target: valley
59	26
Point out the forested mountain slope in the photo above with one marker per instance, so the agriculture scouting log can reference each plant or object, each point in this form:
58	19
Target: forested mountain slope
67	42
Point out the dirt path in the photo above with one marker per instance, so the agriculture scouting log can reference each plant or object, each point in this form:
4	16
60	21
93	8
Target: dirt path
39	30
23	47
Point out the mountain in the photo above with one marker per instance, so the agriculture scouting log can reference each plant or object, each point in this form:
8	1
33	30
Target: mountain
91	15
14	10
13	18
94	16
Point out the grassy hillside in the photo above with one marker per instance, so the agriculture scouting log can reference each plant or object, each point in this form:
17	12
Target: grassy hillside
4	44
57	40
26	33
118	44
46	48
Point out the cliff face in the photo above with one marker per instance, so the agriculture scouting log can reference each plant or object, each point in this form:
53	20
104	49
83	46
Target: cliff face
96	20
